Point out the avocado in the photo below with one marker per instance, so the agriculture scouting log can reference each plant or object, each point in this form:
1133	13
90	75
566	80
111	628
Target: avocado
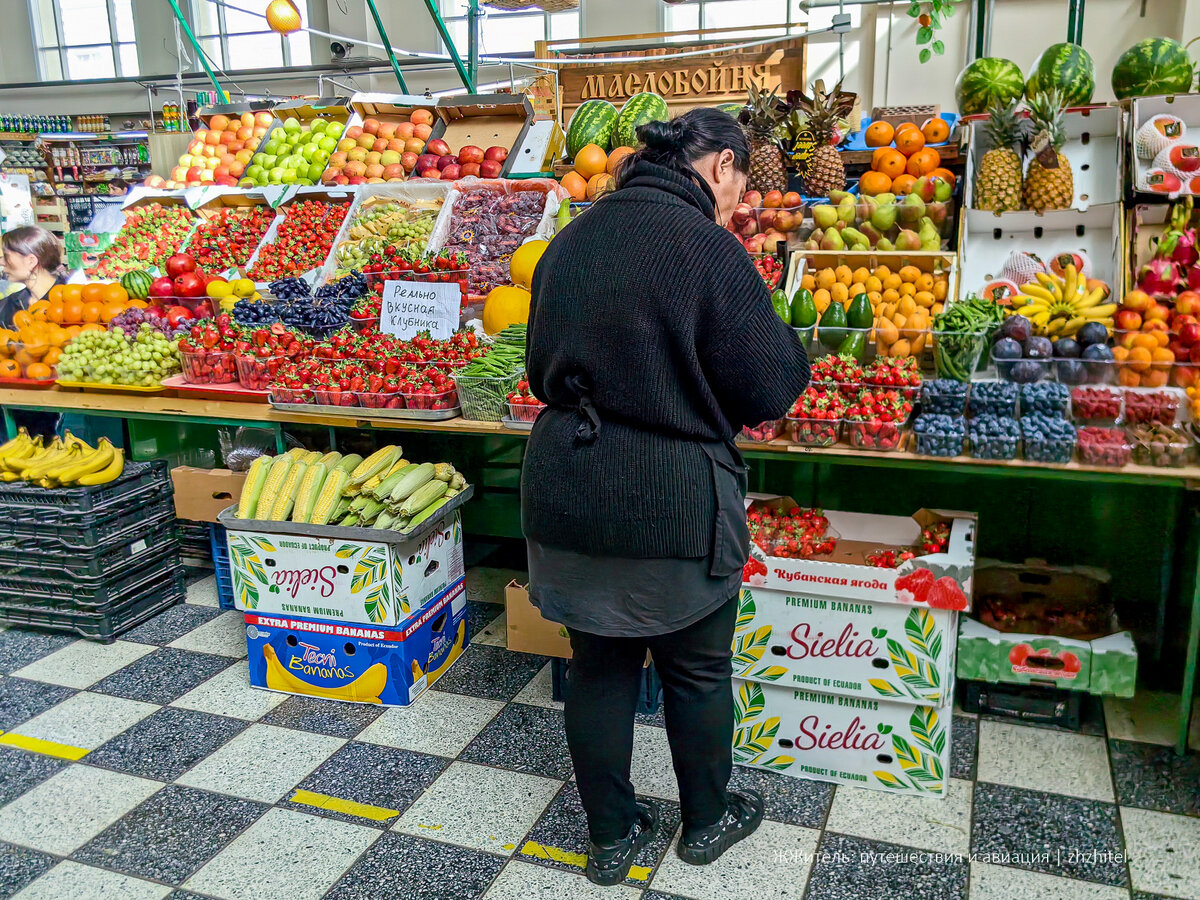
854	344
804	310
832	330
860	314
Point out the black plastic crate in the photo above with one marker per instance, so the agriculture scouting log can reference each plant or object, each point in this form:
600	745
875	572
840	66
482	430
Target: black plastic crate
64	559
65	592
648	699
1024	703
86	530
162	592
136	478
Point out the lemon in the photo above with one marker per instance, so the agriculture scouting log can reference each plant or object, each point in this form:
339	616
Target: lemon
525	260
219	289
242	287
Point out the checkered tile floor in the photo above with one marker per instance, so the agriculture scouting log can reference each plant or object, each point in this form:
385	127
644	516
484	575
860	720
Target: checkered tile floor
148	769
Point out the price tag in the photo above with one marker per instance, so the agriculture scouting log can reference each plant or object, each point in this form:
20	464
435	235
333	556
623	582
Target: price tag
410	307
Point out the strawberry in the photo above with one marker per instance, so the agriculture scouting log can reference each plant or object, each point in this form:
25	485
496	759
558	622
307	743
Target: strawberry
946	594
916	585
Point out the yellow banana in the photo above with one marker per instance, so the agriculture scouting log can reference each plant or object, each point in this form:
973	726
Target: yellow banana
1038	292
1016	301
110	473
1092	299
1072	325
1070	282
1101	312
1055	326
1041	318
366	688
94	462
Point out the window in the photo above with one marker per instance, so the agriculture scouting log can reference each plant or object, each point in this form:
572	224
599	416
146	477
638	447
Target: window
730	13
234	39
78	39
502	32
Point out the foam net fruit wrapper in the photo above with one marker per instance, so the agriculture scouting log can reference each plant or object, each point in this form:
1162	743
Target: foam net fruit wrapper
1020	267
1157	134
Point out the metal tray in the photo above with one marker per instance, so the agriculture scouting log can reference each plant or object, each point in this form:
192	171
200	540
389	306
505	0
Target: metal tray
363	412
516	424
380	536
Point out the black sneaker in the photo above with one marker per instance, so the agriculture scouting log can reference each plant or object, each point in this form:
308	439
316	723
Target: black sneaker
700	846
609	864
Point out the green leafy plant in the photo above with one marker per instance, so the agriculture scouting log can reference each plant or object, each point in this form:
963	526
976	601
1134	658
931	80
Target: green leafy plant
930	16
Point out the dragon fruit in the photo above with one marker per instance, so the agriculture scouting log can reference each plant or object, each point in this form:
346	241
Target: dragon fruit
1184	253
1193	278
1159	278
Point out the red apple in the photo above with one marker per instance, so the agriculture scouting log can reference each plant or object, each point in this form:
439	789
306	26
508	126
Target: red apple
429	172
380	144
357	179
490	168
426	161
1128	320
496	154
742	213
753	198
470	170
1188	303
338	159
791	200
395	170
396	144
445	161
414	145
1185	157
452	172
330	175
471	154
374	170
1189	334
341	180
409	161
437	147
773	199
354	132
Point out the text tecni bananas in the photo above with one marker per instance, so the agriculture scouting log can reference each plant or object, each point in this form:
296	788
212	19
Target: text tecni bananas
1058	306
64	462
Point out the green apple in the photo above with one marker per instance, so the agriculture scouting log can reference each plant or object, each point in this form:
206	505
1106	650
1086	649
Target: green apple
268	160
291	124
317	126
308	151
247	182
320	157
289	176
273	147
314	171
328	144
334	130
275	176
255	172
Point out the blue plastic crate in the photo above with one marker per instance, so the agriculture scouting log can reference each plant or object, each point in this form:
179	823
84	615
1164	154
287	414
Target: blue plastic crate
220	556
648	700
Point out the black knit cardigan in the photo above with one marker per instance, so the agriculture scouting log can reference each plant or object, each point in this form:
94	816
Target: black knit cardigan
646	309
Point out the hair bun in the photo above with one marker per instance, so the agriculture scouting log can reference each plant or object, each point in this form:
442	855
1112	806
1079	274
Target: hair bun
666	137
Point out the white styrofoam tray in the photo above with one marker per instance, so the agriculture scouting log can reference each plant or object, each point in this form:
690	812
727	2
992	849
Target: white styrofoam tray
1185	106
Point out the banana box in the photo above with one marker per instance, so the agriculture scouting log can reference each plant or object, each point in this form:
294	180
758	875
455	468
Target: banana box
389	666
879	745
877	650
334	578
941	579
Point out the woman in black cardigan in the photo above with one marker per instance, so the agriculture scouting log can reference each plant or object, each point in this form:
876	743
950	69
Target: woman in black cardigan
653	342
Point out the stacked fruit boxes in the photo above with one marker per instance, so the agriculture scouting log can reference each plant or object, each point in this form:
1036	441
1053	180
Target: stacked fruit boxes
843	671
96	561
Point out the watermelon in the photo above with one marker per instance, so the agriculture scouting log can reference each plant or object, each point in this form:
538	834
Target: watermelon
1067	67
988	80
638	110
591	123
137	284
1154	66
733	109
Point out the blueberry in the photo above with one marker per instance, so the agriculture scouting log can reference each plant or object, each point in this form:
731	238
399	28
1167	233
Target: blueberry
1048	438
939	435
944	395
996	398
994	437
1049	398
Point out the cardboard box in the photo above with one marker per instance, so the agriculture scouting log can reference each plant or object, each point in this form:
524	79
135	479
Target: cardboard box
854	649
528	631
335	579
484	120
202	493
358	663
1106	665
940	580
873	744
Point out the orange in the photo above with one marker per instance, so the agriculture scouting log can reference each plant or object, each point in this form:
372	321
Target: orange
137	304
55	313
110	311
53	355
903	184
1155	378
909	140
599	185
591	160
944	174
891	163
935	131
92	326
614	159
873	183
923	161
879	134
91	311
72	331
72	293
575	185
24	358
72	312
114	293
1144	339
39	371
56	294
92	293
878	155
1162	358
1120	354
9	369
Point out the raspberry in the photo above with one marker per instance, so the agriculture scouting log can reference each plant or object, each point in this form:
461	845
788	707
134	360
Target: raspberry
946	594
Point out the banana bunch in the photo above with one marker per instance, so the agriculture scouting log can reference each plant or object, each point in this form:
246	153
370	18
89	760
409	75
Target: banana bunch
1058	306
65	462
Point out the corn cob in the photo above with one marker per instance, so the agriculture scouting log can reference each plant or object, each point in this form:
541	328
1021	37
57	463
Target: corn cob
253	487
422	497
343	507
458	482
370	484
350	520
349	463
370	510
427	512
397	466
270	491
359	502
384	520
384	489
309	490
401	524
297	453
330	459
329	497
379	461
286	498
419	476
311	456
443	472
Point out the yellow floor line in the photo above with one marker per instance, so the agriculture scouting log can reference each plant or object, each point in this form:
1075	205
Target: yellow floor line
47	748
576	860
348	807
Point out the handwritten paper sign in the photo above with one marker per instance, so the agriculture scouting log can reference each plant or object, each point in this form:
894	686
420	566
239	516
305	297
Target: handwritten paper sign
410	307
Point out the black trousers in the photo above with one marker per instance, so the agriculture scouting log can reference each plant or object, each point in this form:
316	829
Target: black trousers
601	698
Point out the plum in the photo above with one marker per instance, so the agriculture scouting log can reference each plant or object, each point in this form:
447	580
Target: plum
1092	333
1099	361
1018	328
1038	348
1071	371
1003	351
1026	371
1067	348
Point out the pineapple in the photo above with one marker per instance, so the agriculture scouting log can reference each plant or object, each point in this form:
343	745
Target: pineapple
998	184
1049	181
825	171
760	118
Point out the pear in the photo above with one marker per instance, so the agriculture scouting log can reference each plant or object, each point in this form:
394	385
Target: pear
846	209
872	233
833	240
855	239
912	209
885	245
825	215
884	216
936	212
865	207
908	240
930	238
836	197
942	190
885	199
812	244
